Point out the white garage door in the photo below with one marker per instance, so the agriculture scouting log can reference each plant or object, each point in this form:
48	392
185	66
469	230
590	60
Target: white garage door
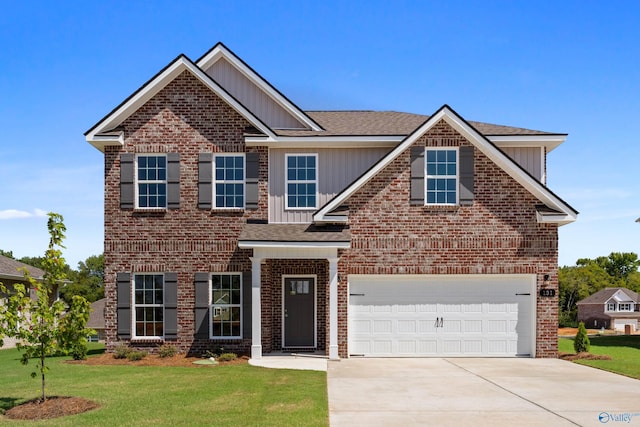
473	315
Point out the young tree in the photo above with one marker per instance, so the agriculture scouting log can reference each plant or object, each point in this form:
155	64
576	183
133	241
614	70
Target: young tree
40	324
581	342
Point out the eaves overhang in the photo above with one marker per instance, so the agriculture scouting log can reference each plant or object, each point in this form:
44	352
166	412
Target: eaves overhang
252	244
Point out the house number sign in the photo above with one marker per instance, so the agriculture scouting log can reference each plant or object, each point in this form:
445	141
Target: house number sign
547	292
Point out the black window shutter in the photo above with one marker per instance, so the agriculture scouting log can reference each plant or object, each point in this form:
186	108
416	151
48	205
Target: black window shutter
171	305
201	282
417	176
127	175
466	175
173	180
246	304
205	176
123	306
251	185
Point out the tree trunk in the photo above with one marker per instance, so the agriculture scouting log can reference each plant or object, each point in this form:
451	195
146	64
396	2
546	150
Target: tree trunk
42	370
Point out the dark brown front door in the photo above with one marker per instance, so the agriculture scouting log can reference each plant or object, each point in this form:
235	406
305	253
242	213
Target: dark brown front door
299	312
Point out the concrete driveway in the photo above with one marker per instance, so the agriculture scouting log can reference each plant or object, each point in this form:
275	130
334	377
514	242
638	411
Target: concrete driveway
478	392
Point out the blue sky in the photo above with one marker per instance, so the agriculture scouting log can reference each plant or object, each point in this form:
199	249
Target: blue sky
568	67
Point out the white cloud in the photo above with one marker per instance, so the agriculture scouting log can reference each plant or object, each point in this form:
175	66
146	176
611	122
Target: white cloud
17	214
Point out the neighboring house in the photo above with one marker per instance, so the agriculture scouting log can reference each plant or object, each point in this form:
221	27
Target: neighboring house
235	219
96	319
610	308
11	273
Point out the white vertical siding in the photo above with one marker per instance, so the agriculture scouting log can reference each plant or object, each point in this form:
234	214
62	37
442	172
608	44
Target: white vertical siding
252	97
530	158
337	168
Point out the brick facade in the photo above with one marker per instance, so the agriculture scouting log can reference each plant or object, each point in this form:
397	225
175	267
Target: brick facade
498	234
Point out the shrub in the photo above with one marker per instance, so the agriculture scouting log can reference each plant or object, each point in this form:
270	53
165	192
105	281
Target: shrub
227	357
136	355
121	351
581	342
167	350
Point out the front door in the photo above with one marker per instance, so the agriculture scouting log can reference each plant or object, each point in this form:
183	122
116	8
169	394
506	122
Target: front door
299	312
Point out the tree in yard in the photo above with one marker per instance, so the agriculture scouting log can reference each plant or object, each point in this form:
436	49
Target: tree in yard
87	281
581	342
578	282
41	325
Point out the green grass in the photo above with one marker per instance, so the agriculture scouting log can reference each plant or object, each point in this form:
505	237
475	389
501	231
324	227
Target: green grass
234	395
623	349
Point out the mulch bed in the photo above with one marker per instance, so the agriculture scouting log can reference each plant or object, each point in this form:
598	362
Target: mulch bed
583	356
53	407
153	360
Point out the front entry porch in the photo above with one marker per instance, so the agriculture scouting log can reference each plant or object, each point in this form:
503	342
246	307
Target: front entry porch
296	260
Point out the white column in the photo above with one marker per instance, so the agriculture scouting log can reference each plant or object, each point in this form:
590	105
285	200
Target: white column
256	310
333	308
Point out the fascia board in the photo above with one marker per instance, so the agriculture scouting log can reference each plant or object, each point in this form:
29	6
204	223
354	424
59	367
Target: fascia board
249	244
324	141
550	142
102	141
221	51
160	82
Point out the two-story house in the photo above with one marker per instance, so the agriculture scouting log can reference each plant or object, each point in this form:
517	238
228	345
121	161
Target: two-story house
235	219
610	308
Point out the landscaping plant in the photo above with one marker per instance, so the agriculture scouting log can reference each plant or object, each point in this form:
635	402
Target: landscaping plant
581	342
43	326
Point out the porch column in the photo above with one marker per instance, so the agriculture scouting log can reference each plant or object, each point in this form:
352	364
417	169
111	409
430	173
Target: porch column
256	310
333	308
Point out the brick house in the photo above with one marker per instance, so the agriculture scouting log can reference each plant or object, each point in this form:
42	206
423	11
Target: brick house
610	308
235	219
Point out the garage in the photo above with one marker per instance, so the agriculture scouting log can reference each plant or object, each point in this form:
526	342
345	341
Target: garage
442	315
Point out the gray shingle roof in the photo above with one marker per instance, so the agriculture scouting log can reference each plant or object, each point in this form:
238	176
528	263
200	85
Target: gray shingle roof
603	296
12	269
386	123
96	317
294	233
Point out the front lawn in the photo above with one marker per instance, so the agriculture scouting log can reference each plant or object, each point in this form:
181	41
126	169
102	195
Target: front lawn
623	349
230	395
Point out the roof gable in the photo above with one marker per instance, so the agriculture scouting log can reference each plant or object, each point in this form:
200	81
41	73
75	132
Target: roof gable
250	88
106	132
564	212
605	295
12	269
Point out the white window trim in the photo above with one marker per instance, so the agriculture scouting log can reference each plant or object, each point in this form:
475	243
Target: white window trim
611	307
244	181
287	182
136	188
134	336
629	310
213	306
427	176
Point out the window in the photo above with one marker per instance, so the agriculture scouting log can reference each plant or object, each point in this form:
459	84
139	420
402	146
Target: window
152	181
301	181
229	180
611	306
442	176
148	301
226	305
624	306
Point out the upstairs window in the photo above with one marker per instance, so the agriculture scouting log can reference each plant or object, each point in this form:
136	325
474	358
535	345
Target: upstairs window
441	176
301	181
611	306
229	177
624	306
152	181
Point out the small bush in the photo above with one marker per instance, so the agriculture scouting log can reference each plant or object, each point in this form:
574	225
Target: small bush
135	355
121	351
581	342
227	357
167	350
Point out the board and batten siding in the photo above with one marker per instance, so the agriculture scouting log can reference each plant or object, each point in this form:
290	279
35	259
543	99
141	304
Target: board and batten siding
337	168
251	96
530	158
